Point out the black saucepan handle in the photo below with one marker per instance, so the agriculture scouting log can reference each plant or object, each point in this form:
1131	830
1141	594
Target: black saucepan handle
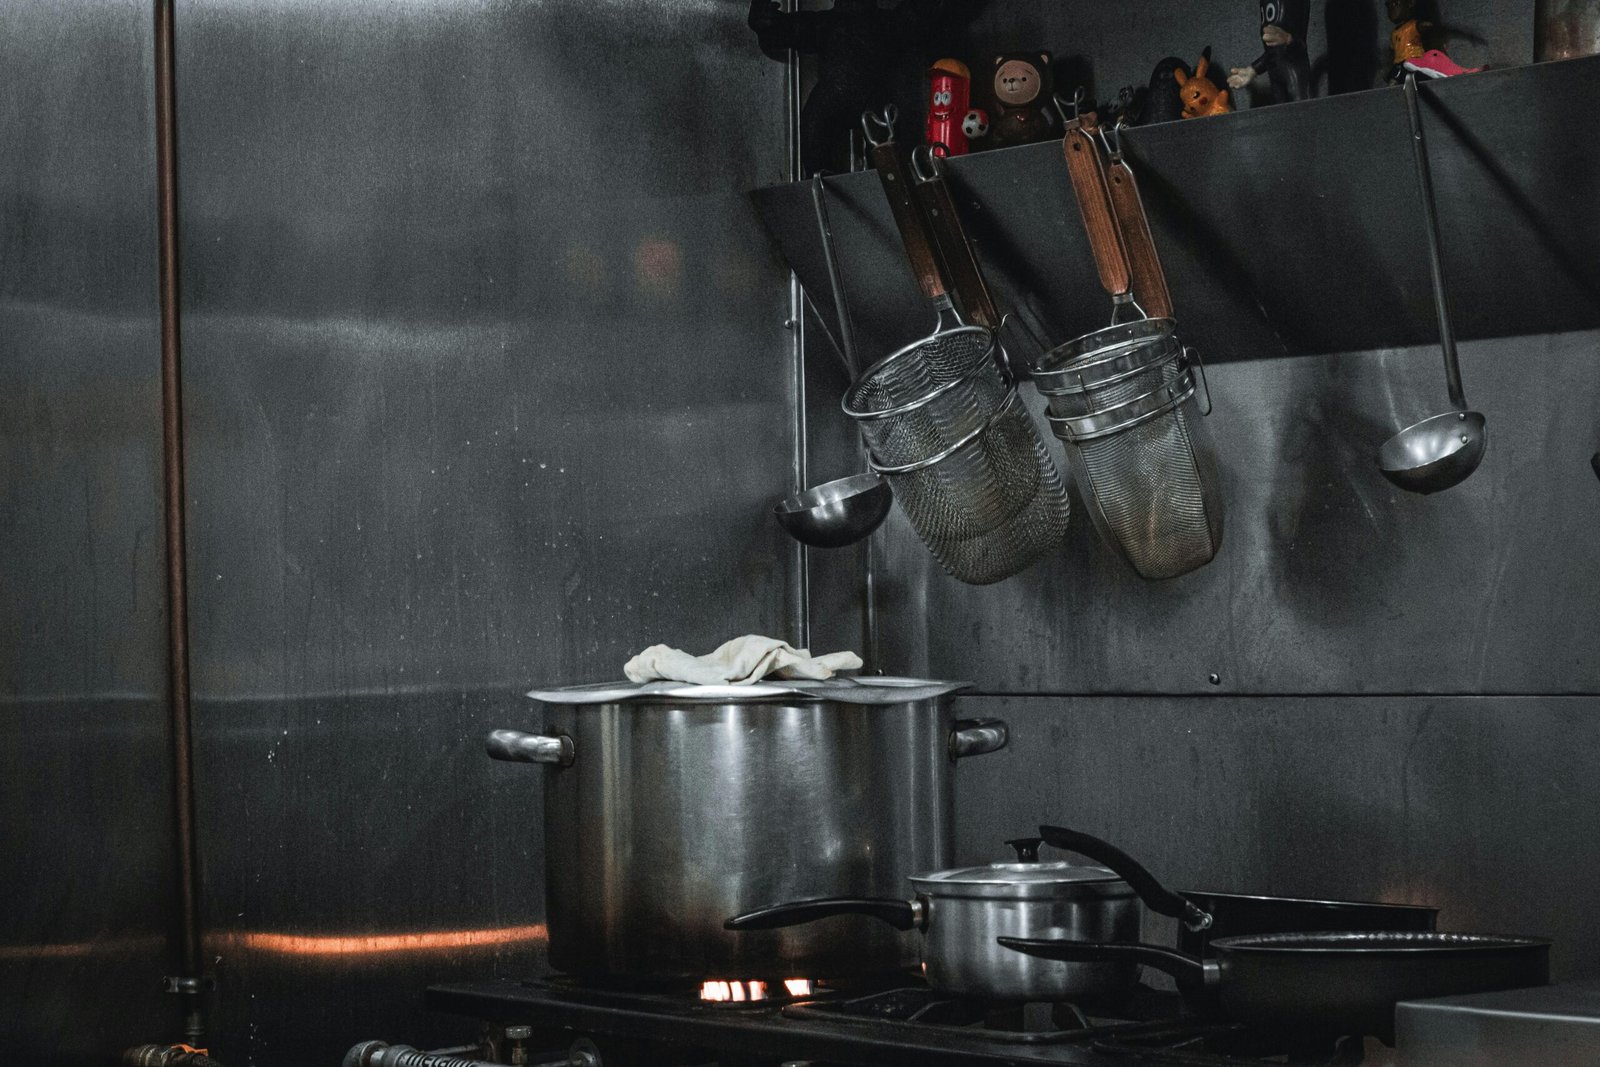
1156	896
900	914
1186	970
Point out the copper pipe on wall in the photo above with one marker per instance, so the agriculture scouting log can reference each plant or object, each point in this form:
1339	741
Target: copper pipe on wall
189	983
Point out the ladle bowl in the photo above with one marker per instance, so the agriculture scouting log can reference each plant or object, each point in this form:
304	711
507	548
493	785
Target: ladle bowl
836	513
1436	453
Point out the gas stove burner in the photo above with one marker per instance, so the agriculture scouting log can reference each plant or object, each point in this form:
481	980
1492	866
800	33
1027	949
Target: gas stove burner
717	991
900	1024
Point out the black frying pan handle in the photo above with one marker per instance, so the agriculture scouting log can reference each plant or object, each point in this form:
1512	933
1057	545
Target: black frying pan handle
900	914
1186	970
1156	896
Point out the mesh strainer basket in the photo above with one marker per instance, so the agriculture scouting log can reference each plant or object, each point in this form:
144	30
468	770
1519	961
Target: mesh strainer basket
990	505
922	399
1147	473
1107	367
1091	359
1119	390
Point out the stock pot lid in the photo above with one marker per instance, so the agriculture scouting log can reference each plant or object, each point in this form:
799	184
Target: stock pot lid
867	689
1024	881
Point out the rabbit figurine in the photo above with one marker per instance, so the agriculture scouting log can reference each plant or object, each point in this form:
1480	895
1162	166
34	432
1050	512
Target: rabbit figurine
1199	95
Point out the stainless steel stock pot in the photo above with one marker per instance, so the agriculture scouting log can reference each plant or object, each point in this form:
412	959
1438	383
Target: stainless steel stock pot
669	808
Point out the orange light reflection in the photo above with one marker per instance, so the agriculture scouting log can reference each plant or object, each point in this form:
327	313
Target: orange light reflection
74	950
380	944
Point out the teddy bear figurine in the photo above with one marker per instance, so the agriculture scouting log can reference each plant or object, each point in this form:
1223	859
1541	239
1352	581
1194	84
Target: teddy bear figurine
1018	91
1199	94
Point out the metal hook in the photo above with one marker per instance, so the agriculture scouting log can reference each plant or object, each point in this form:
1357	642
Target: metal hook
1107	137
1076	103
874	121
925	157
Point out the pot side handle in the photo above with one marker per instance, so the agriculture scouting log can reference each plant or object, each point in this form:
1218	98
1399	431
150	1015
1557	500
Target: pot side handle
900	914
514	746
1155	895
1187	971
977	737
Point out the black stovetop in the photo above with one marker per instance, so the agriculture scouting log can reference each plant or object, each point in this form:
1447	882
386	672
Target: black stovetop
906	1025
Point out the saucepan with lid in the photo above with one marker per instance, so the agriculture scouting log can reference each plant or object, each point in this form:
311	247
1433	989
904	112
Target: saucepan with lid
961	914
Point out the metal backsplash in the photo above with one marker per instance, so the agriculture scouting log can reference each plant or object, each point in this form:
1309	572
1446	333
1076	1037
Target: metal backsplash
85	799
487	387
1480	806
1329	579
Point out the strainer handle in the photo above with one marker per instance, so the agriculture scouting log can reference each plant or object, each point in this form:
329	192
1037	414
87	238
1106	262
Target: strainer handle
944	220
1147	277
908	218
1088	178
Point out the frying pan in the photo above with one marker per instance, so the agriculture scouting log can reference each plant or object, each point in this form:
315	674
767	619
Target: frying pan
1335	983
1204	917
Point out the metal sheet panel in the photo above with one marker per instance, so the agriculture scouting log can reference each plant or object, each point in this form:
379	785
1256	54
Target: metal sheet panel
488	387
1554	1024
1481	806
1329	580
1283	232
360	847
85	808
485	359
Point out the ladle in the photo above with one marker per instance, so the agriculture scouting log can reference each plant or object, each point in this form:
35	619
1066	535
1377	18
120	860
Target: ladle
1441	451
845	510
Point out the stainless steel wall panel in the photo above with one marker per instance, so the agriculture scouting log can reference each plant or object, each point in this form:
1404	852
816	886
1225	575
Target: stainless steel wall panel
1329	579
85	803
485	369
356	851
1482	806
85	866
488	387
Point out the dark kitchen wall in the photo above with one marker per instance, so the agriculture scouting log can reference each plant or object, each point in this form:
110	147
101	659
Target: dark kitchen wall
1406	688
85	808
488	387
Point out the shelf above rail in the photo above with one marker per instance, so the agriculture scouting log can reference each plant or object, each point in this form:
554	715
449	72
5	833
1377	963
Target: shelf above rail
1286	230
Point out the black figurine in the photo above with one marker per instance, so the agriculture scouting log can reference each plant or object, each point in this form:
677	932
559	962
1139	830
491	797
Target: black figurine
1284	24
859	48
1163	102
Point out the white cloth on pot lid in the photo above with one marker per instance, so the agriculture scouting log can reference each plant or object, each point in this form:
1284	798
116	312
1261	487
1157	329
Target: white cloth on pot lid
742	661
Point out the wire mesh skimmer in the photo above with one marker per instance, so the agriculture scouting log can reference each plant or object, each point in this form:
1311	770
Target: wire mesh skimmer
944	425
